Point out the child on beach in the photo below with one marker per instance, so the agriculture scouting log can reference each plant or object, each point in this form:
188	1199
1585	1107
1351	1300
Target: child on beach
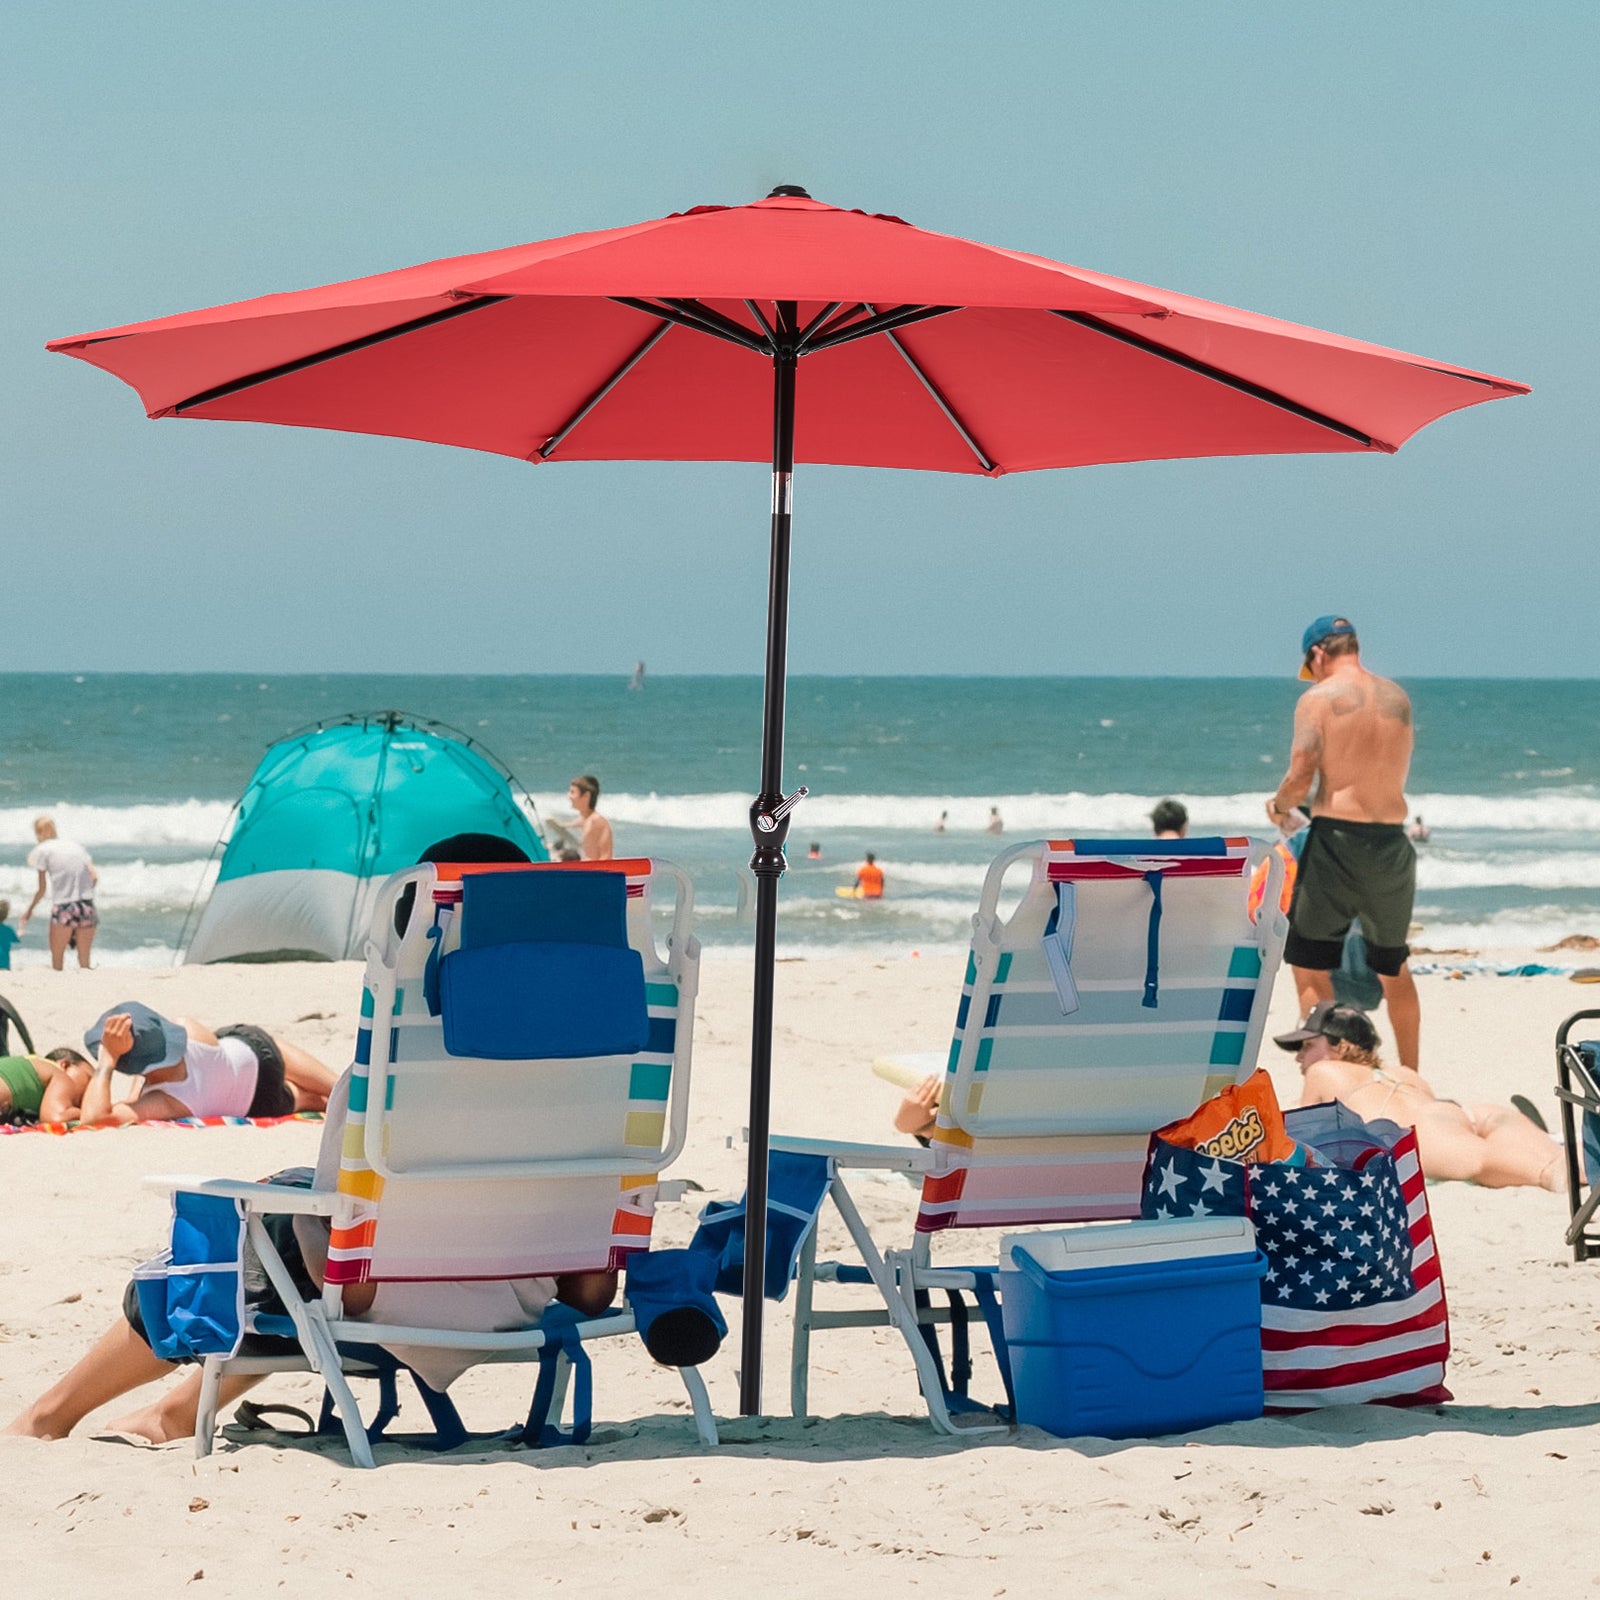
8	935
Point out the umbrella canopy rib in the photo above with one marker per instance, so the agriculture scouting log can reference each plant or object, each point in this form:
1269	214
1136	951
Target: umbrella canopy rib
553	443
691	314
1230	380
828	326
939	400
715	321
761	317
253	380
815	323
895	317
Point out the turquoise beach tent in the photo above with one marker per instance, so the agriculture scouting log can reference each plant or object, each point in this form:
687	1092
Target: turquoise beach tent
331	811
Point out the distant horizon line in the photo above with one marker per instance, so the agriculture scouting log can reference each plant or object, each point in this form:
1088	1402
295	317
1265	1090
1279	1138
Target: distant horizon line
624	676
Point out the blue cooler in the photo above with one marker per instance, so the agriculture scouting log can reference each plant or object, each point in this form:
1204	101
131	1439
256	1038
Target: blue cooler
1134	1328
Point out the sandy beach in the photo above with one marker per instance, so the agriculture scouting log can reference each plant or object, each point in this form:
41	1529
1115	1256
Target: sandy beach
1486	1493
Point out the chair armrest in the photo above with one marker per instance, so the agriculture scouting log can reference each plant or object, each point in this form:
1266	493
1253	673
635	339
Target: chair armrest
885	1157
266	1197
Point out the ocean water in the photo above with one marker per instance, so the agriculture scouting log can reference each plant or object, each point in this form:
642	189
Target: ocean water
144	770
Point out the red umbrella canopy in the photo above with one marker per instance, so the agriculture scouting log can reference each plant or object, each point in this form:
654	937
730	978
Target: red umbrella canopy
917	350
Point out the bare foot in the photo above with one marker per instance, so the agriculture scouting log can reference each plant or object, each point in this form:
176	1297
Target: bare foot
32	1424
148	1422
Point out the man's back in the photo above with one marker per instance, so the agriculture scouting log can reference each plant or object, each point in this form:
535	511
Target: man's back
1361	728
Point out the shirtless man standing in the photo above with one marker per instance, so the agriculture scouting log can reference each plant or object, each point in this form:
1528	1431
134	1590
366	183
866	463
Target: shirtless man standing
1351	752
594	832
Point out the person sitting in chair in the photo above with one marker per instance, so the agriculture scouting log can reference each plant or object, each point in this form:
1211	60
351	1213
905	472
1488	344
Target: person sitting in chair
122	1360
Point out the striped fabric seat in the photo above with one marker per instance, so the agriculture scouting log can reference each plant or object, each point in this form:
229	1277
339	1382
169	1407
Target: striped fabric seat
1124	986
466	1169
420	1117
1046	1113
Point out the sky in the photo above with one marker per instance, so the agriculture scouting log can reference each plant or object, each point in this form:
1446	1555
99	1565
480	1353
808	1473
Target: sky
1420	176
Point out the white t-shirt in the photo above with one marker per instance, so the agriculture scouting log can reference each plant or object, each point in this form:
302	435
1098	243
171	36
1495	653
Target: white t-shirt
219	1080
67	868
487	1306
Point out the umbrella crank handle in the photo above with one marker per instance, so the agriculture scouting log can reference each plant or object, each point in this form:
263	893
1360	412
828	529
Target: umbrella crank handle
767	821
769	827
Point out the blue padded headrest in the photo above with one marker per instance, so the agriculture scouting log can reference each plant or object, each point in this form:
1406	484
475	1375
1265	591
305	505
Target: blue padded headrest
1150	847
552	907
544	969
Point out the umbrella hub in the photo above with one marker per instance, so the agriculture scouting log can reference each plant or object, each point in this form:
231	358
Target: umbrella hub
789	191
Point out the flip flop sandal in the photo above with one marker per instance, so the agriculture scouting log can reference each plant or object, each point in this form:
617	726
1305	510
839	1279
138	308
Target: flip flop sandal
253	1417
1585	975
1530	1111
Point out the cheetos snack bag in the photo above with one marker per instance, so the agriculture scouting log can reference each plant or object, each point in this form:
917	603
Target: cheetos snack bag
1241	1124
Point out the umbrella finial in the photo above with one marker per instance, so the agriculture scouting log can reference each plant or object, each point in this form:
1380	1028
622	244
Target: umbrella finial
789	191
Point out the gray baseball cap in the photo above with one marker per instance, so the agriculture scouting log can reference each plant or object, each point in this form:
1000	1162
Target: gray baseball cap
1327	1019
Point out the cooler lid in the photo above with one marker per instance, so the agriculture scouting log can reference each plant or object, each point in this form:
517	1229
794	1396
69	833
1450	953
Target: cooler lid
1121	1244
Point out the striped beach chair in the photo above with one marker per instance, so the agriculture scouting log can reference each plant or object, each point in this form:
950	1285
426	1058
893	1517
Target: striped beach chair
1125	986
488	1140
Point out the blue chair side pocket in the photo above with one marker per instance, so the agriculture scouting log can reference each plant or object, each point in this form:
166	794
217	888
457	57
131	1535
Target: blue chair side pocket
674	1307
191	1296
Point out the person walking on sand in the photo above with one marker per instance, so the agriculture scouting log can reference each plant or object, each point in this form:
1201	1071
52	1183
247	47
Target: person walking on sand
68	876
594	832
1350	756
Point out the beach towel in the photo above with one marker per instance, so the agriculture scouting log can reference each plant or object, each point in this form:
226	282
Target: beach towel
1352	1303
172	1122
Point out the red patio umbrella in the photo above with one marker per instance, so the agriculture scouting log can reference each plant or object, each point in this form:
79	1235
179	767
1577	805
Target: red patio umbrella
680	339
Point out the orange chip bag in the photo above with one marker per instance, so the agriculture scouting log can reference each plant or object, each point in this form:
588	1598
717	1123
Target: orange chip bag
1240	1124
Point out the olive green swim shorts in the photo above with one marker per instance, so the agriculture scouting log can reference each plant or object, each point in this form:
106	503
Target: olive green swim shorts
1349	872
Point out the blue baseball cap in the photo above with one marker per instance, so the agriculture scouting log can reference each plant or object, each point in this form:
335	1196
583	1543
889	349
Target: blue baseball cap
1320	631
156	1042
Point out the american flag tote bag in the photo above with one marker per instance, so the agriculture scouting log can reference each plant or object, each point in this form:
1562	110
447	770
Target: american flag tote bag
1352	1303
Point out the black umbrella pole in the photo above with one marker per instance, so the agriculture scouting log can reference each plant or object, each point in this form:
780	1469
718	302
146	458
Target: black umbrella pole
769	826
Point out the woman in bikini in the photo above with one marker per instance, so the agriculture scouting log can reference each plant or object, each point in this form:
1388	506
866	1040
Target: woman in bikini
1497	1146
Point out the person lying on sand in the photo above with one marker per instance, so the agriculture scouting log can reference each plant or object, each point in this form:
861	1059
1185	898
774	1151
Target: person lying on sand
42	1088
186	1070
1496	1146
